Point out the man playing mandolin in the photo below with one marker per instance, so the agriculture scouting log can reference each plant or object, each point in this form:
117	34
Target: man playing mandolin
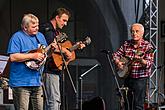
51	30
25	82
139	54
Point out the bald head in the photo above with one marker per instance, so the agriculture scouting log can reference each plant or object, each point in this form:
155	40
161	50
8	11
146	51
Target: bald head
137	31
138	25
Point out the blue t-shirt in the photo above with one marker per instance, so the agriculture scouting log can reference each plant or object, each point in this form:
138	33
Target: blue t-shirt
20	74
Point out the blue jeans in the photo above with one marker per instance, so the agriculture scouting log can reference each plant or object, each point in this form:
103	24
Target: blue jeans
22	96
52	86
137	92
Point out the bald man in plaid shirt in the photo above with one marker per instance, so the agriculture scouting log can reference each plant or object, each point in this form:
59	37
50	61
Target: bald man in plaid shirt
140	54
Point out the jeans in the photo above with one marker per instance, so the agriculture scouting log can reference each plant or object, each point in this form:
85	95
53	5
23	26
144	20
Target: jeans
137	92
23	95
52	86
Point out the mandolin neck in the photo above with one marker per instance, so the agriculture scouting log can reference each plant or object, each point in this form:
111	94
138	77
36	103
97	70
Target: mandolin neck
47	48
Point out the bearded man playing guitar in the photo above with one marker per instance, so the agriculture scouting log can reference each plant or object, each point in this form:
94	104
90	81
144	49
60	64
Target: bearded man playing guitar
139	52
51	78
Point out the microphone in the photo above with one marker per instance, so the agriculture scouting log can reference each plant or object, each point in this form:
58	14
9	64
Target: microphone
159	67
105	51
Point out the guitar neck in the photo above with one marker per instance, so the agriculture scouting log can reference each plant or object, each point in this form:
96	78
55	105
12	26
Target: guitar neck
77	45
74	47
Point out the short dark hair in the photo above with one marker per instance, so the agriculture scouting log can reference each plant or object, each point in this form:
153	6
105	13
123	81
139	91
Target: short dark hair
59	12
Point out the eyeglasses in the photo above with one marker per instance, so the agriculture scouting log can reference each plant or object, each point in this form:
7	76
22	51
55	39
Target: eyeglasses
135	31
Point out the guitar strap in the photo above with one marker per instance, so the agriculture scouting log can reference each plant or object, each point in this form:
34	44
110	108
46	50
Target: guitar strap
37	40
56	32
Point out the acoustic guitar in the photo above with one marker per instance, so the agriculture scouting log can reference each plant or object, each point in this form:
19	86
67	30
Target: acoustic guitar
35	64
123	73
58	59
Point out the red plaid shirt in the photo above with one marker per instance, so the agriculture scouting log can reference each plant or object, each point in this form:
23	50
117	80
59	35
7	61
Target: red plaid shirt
137	70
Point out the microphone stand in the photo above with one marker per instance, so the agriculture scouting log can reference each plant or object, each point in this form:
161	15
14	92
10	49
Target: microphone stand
64	66
117	83
81	82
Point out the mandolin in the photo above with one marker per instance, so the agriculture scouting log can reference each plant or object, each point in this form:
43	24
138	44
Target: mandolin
58	60
35	64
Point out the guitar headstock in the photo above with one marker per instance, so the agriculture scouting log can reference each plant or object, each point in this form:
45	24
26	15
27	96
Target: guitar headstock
87	40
